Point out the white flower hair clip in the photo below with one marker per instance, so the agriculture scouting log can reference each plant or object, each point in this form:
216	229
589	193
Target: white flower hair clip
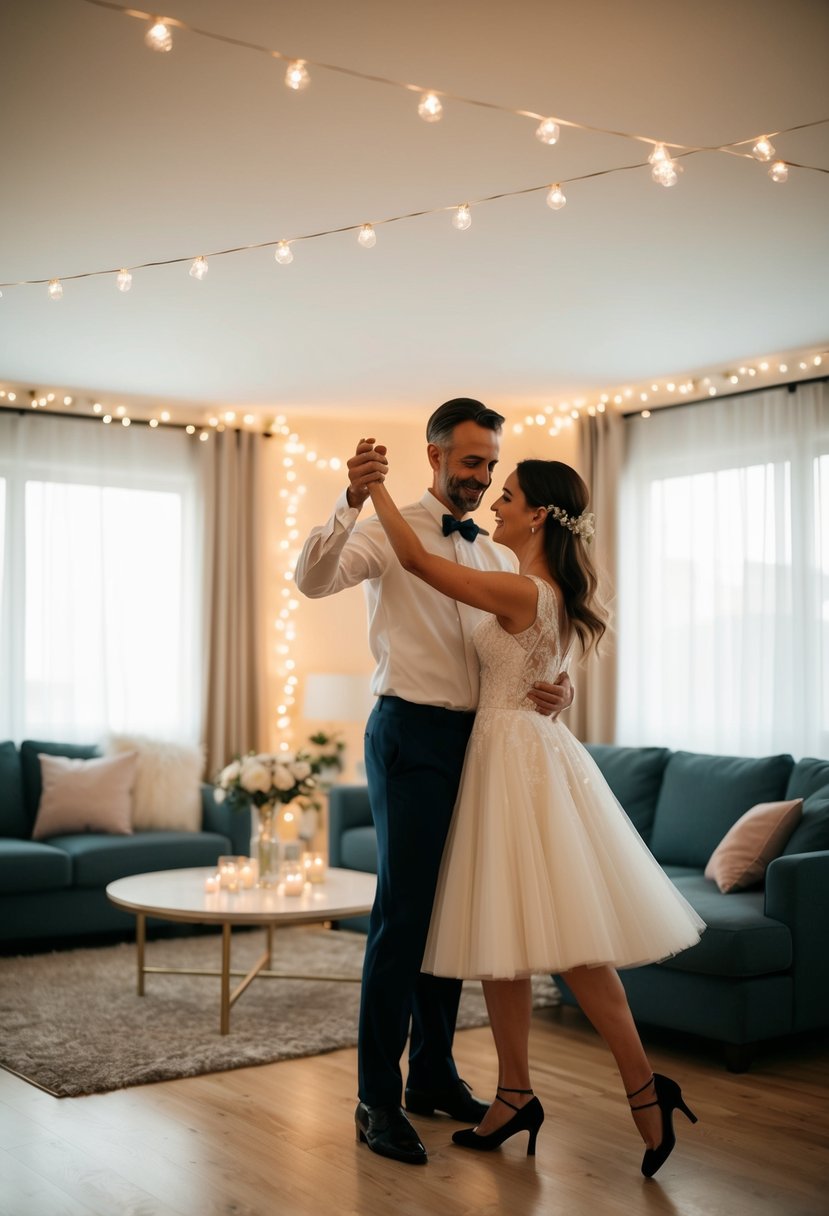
583	526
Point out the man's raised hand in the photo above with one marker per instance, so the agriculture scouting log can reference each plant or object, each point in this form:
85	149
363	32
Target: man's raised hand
367	465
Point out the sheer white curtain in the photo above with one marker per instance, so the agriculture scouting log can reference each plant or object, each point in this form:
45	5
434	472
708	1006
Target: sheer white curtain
101	580
724	576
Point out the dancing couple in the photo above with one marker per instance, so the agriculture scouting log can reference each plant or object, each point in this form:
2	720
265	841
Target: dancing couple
502	853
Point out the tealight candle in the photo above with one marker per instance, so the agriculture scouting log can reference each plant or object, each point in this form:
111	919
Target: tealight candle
229	873
249	873
293	879
314	867
211	884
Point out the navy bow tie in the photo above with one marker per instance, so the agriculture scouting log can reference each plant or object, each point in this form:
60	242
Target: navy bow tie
467	527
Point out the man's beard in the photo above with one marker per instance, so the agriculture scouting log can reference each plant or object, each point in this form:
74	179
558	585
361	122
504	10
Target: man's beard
455	493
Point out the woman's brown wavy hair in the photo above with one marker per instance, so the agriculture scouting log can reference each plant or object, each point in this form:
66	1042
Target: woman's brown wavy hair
547	483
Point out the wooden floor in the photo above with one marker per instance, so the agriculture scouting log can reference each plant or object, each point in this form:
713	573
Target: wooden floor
279	1140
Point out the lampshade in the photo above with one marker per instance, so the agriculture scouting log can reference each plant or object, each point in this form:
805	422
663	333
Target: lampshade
333	697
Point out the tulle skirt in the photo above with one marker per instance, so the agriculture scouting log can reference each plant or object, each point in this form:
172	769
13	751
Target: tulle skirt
543	870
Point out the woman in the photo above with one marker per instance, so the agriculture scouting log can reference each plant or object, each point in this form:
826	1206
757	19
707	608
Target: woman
542	871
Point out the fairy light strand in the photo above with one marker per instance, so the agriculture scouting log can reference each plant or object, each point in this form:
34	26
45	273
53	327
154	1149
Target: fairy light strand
199	262
434	110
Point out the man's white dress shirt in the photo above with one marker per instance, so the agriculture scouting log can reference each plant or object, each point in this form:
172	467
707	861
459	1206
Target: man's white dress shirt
421	640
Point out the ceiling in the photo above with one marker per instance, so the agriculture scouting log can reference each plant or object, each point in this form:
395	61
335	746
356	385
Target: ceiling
115	156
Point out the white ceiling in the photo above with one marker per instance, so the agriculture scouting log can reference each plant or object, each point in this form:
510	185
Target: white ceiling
113	155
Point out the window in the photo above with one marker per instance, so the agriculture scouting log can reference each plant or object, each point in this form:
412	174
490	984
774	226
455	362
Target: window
100	627
724	577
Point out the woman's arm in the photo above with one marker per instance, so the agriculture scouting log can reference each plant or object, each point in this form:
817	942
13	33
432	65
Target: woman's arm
513	598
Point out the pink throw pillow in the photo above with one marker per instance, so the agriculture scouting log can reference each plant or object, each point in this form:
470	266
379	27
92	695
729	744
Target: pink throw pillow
741	857
85	795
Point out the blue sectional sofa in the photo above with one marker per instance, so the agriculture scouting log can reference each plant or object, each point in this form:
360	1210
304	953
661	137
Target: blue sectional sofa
55	888
761	969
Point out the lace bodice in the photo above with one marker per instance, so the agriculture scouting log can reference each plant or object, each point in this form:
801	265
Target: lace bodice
512	662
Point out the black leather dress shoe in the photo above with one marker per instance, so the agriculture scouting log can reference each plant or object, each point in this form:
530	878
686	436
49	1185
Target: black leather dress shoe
457	1100
387	1131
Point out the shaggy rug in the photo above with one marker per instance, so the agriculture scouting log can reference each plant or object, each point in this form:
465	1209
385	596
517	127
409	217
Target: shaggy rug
72	1023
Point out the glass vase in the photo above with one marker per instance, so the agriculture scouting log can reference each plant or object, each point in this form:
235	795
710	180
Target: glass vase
265	845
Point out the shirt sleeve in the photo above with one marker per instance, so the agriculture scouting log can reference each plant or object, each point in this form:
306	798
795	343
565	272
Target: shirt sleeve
339	555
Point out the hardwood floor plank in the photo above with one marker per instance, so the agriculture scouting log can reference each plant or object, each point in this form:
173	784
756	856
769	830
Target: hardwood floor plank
280	1139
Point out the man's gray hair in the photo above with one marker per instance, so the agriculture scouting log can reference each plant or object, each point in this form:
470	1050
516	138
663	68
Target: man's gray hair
441	425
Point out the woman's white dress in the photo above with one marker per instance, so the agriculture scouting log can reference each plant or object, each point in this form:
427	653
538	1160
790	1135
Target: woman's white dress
542	869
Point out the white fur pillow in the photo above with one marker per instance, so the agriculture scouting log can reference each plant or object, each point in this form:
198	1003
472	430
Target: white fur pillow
167	791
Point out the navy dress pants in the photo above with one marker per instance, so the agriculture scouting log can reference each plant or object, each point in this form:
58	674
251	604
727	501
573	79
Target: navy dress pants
414	756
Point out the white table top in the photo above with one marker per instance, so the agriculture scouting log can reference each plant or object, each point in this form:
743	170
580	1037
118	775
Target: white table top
180	895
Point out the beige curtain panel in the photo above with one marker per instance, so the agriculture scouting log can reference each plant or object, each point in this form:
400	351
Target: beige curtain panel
600	451
235	716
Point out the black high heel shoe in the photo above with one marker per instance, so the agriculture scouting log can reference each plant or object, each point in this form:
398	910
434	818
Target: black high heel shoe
668	1099
526	1119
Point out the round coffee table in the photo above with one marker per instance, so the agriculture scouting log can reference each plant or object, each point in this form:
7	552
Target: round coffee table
179	895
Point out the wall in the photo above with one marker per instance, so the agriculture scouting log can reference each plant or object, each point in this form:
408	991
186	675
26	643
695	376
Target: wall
331	634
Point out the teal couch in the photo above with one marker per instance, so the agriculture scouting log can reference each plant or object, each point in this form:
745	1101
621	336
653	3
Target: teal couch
761	969
56	888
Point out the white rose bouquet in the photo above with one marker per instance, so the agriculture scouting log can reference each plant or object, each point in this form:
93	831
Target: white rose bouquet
263	778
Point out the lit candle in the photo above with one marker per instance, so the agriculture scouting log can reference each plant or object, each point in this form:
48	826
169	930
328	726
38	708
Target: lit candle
211	884
228	873
293	878
314	867
249	873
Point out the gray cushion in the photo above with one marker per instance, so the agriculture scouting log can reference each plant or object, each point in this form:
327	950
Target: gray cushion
812	833
13	818
358	850
98	859
807	777
635	776
30	765
739	939
27	865
703	796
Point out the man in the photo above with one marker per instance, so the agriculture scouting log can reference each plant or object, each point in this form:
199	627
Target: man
426	683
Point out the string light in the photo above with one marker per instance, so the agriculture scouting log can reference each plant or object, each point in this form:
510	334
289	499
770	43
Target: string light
779	172
283	253
556	198
55	289
124	280
158	37
199	268
763	149
367	237
297	76
462	218
430	108
664	170
548	131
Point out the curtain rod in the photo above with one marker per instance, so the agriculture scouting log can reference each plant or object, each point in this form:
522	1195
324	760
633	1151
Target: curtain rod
790	385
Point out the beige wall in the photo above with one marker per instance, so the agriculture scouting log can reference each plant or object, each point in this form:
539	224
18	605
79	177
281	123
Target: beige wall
331	634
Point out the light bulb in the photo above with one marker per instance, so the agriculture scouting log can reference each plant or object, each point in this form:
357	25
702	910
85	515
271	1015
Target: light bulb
199	268
297	77
462	218
430	108
556	198
763	149
367	237
55	289
548	131
124	280
283	253
158	37
664	170
779	171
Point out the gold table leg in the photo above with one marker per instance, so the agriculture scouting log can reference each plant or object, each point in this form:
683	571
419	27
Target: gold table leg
224	1018
140	941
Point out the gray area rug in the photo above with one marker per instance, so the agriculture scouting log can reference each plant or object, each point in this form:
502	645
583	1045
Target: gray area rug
72	1023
